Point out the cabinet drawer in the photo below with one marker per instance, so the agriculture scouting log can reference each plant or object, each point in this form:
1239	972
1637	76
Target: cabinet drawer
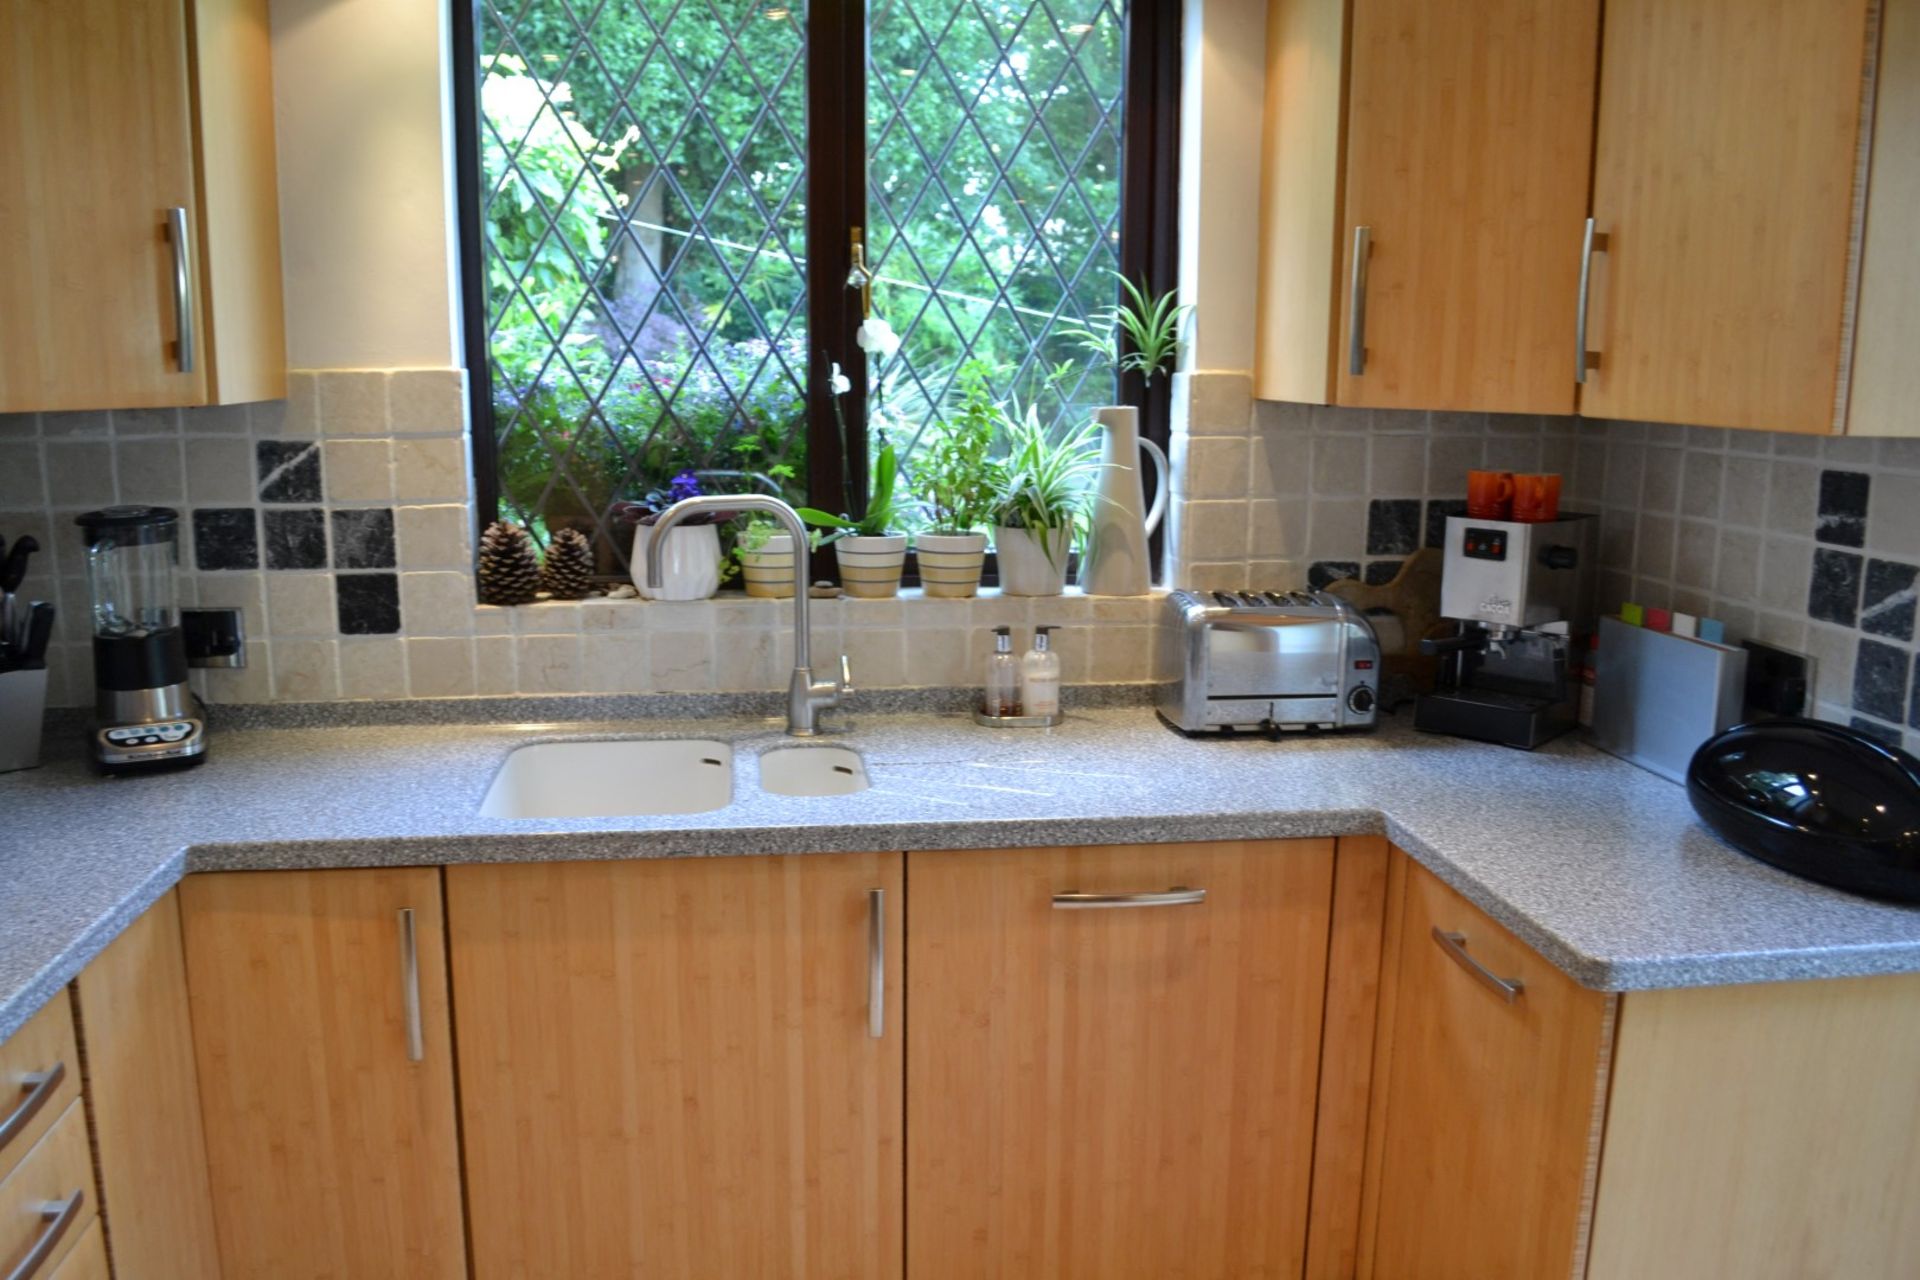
39	1076
40	1218
88	1261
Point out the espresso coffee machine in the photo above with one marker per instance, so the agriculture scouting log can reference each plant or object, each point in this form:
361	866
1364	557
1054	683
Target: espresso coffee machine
1521	596
143	707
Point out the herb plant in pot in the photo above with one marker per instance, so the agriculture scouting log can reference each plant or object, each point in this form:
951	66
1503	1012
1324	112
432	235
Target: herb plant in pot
1042	496
952	469
691	561
765	553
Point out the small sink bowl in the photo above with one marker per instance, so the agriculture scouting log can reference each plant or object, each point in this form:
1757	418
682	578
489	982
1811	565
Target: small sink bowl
625	779
813	771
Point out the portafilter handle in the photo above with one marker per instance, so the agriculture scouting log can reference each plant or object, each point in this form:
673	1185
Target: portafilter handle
1468	641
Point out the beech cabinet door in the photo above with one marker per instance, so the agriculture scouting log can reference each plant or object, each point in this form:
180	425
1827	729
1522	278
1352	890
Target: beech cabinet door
96	142
1105	1089
1485	1108
1469	138
682	1067
320	1030
1725	183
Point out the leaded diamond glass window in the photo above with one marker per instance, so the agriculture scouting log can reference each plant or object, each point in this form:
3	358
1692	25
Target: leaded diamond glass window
646	185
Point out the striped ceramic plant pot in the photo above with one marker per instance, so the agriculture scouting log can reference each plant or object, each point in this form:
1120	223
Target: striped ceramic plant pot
768	568
870	567
950	564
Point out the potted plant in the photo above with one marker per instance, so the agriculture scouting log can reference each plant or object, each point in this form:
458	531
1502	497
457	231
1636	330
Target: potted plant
1042	495
1139	335
691	566
952	469
869	553
765	553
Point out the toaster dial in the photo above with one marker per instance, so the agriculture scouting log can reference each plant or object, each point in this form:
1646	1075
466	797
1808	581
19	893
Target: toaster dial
1360	700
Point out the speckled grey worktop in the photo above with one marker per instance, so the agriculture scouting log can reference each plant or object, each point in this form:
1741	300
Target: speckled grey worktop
1600	866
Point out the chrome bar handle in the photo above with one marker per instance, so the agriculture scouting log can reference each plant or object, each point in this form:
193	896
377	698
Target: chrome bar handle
1583	359
410	985
1178	896
1455	945
876	963
1357	315
182	287
58	1215
38	1087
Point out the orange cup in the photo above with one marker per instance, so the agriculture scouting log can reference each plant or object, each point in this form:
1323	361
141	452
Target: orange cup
1536	498
1490	495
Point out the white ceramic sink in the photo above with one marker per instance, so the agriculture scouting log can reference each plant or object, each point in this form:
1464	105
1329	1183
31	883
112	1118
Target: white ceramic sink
812	771
612	779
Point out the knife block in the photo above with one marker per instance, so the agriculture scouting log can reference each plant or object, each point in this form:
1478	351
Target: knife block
23	705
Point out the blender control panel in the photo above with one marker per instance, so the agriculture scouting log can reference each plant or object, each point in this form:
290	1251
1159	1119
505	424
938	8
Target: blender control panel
163	740
1484	544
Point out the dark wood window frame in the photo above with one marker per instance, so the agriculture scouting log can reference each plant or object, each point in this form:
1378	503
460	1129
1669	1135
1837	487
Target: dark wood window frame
837	200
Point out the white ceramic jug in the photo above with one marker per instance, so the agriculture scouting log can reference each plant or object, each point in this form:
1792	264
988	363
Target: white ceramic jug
1116	561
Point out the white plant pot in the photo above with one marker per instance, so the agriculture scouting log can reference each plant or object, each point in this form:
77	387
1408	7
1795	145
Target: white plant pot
1030	566
950	564
689	562
870	567
768	570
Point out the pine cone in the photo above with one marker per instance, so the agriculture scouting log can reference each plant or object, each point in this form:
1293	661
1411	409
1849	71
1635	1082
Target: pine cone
509	567
569	569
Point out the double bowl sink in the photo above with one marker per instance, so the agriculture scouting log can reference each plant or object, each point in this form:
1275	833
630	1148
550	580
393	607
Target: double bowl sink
630	778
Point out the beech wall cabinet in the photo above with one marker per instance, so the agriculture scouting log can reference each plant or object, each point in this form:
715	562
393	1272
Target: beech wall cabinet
1694	213
140	210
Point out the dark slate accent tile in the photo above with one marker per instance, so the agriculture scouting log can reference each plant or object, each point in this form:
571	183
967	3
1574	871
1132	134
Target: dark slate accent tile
1393	526
1887	607
1880	680
1913	707
225	538
1833	594
369	603
1885	735
1381	572
1843	508
296	538
1321	572
363	538
1437	512
289	470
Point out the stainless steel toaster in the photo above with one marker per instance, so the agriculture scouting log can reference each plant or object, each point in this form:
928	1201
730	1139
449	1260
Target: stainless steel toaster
1266	660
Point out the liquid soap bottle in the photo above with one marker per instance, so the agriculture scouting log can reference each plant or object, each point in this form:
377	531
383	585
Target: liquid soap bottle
1040	676
1001	694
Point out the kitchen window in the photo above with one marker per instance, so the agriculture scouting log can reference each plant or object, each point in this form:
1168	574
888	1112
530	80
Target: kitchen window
658	201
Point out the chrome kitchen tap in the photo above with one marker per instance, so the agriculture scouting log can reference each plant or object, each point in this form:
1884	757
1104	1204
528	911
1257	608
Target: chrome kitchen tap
806	697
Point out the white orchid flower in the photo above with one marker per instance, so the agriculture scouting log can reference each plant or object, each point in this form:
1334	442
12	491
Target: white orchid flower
877	338
837	381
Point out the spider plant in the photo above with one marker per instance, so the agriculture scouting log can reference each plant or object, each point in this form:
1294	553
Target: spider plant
1045	483
1141	334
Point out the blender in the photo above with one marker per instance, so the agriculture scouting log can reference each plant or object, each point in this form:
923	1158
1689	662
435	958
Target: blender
139	651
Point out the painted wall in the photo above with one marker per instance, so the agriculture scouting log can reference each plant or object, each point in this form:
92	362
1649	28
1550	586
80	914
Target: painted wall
360	93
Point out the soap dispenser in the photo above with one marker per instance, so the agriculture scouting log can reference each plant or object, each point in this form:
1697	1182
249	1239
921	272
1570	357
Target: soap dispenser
1040	676
1001	695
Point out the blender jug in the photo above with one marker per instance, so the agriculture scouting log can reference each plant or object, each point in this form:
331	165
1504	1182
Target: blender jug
139	651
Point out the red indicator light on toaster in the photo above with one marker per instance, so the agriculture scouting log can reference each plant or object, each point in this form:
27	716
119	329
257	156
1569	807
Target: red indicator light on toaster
1364	664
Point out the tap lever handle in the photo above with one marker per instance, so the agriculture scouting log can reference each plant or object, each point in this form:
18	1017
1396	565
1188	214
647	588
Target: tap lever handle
846	676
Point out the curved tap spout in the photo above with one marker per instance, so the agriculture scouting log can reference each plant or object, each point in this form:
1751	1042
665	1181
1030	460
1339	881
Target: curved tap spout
805	698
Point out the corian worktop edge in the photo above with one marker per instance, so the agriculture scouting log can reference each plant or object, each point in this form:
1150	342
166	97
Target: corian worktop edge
1597	865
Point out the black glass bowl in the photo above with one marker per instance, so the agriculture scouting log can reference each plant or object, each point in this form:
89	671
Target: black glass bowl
1816	800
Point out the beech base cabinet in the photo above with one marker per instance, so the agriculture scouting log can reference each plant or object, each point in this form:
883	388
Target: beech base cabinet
682	1067
1112	1056
1524	1126
323	1046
